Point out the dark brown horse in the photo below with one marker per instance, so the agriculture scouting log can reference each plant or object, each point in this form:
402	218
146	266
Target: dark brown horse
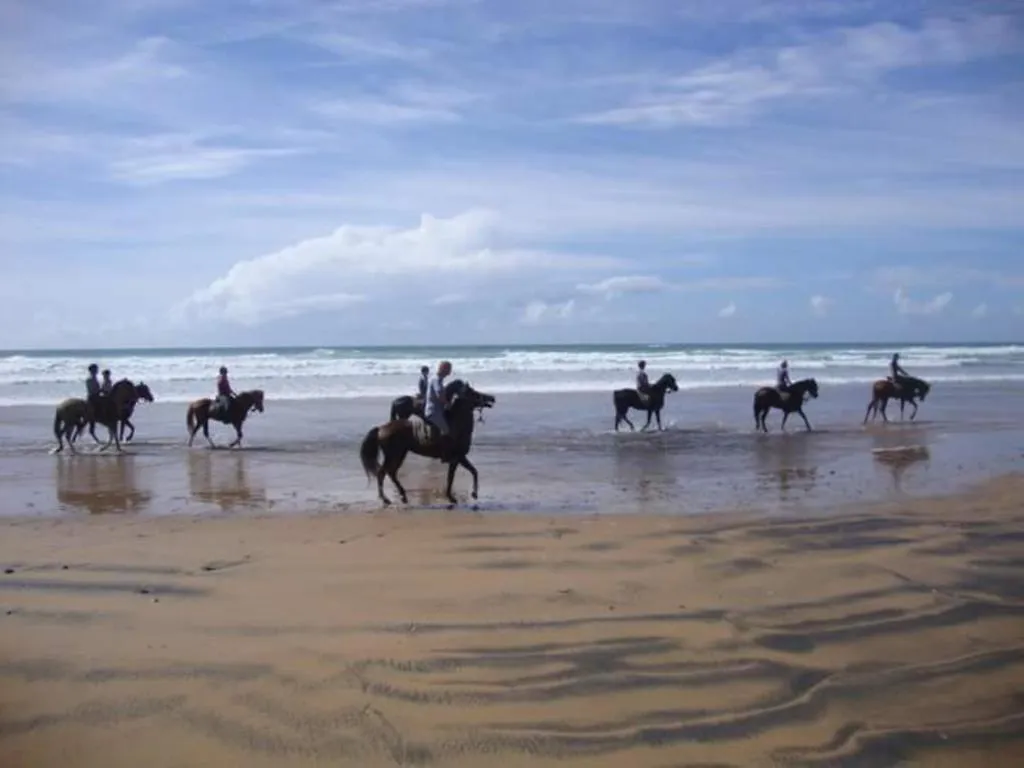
625	399
201	412
124	418
907	391
405	406
396	439
74	413
767	398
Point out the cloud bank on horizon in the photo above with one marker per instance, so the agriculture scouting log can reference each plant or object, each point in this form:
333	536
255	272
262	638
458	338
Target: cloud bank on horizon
174	172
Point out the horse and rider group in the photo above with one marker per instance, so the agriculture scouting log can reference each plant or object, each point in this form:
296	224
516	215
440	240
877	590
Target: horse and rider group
437	422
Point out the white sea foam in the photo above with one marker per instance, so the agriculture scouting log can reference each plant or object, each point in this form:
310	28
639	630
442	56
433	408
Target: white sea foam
180	376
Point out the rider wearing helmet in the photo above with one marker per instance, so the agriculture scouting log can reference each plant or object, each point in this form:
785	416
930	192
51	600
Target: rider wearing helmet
225	394
782	380
643	384
896	372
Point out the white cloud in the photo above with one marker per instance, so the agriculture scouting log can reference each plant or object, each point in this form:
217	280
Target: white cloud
450	299
734	89
820	305
542	312
980	311
626	284
908	306
355	261
729	310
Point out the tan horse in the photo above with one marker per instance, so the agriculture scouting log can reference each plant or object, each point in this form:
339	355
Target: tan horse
884	390
200	413
74	413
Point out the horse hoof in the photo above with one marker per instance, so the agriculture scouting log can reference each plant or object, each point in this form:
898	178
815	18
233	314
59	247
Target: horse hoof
473	496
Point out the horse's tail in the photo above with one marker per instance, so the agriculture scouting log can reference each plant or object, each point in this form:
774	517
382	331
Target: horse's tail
368	452
190	418
58	421
394	412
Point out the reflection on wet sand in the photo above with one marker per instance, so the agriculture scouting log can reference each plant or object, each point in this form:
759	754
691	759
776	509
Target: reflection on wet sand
222	478
643	468
100	484
897	455
787	461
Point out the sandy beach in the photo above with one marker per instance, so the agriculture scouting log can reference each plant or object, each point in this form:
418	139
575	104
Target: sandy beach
888	634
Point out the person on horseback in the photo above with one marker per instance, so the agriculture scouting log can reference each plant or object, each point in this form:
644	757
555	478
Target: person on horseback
422	384
782	380
434	408
106	386
643	384
896	372
225	394
92	384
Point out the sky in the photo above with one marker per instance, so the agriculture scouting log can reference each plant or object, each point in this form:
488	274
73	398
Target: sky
290	172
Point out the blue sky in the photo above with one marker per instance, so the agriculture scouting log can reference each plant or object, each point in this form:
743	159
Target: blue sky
178	172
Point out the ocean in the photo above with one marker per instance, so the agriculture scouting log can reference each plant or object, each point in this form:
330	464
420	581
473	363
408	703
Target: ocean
548	446
181	375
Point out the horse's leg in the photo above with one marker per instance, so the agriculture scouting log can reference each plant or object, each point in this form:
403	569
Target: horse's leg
625	418
448	485
465	462
646	426
785	415
872	404
657	416
392	463
804	416
903	405
914	414
127	423
206	432
238	440
92	431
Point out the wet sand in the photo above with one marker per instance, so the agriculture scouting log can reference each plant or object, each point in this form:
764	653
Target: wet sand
537	454
878	635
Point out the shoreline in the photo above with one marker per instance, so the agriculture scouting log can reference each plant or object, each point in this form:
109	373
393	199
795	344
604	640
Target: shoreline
873	634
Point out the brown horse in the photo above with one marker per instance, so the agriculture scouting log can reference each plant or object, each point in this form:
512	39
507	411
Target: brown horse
396	439
767	398
74	413
201	411
884	390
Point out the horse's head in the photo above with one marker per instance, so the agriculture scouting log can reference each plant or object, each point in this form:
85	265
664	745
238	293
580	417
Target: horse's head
459	391
142	392
667	383
812	387
256	396
924	388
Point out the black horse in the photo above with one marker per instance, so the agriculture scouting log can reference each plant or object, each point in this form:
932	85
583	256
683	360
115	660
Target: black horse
767	398
201	411
142	392
73	414
907	391
625	399
396	439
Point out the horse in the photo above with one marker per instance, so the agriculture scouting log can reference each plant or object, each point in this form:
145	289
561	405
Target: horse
143	392
201	411
396	439
767	398
625	399
884	390
74	413
405	406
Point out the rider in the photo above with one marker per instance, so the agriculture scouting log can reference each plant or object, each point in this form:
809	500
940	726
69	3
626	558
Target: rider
896	372
106	386
422	384
434	407
782	381
92	385
225	393
643	384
